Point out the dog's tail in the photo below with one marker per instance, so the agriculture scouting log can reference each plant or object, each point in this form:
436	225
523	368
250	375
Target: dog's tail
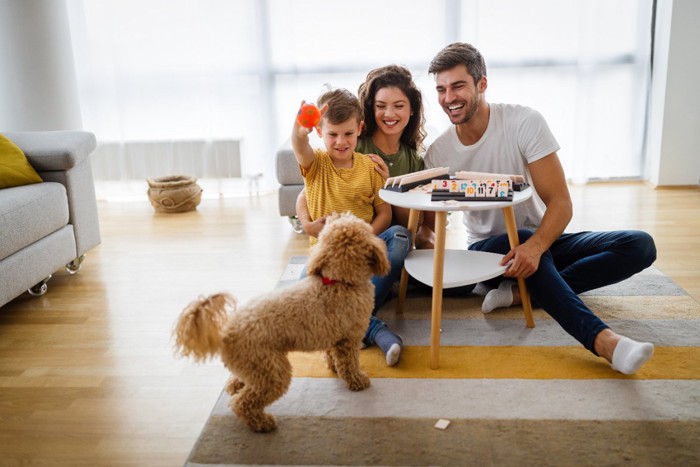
198	330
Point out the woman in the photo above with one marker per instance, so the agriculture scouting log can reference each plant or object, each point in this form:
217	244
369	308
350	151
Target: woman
394	125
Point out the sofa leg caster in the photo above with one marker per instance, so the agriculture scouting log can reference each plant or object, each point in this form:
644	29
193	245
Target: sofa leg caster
74	266
296	224
39	289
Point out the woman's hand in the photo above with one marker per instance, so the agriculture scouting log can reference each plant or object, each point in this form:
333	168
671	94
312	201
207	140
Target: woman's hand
379	165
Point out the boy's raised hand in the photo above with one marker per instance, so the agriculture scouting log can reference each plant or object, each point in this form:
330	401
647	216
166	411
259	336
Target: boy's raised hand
305	130
298	128
300	140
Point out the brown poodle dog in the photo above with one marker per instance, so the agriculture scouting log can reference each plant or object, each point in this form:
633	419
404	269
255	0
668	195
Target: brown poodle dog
328	310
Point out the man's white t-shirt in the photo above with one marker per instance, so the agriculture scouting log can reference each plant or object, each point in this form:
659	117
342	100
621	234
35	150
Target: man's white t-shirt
515	137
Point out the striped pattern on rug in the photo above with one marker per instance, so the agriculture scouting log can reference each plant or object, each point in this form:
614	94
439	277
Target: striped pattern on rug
513	395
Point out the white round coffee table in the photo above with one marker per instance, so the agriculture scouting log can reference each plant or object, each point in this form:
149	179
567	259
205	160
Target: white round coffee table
440	268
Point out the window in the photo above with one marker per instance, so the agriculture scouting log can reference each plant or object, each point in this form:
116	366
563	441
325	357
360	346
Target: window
222	69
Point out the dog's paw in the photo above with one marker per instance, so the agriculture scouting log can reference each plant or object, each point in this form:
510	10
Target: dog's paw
357	382
234	385
262	423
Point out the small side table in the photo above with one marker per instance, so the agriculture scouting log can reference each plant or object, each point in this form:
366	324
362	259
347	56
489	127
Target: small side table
452	268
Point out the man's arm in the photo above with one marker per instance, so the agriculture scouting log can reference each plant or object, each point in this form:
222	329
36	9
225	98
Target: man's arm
382	218
548	178
312	228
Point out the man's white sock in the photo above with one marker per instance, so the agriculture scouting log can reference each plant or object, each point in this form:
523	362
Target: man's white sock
481	289
498	298
630	355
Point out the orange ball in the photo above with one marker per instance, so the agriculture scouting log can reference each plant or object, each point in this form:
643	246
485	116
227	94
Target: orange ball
308	116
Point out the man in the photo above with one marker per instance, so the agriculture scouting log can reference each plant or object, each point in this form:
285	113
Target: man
500	138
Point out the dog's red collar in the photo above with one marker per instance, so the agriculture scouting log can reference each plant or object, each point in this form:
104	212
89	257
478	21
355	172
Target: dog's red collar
327	281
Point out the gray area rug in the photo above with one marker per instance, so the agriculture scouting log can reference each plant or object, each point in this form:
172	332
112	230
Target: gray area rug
507	421
413	441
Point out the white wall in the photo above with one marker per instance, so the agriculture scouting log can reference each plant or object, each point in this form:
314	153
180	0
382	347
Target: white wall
38	87
673	143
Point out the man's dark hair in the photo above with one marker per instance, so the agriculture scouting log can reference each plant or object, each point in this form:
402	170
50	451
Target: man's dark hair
459	53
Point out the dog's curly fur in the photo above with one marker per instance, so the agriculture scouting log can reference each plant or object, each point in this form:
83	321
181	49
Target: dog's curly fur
253	340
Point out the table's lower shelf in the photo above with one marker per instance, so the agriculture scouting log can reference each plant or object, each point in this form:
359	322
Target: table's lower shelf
462	267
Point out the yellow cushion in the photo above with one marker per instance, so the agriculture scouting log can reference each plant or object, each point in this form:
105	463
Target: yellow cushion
15	169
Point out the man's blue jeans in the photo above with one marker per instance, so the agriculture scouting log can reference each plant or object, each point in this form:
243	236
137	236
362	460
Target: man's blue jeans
576	263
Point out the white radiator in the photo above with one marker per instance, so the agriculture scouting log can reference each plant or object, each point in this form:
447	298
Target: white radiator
134	160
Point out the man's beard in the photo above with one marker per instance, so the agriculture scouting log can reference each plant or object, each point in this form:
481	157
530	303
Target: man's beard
471	110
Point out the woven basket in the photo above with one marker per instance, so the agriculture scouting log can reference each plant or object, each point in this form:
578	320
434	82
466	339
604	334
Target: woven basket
174	193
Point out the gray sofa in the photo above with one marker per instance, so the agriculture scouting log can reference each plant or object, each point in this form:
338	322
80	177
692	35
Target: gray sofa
47	226
291	183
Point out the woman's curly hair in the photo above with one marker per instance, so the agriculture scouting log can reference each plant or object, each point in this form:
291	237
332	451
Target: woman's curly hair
395	76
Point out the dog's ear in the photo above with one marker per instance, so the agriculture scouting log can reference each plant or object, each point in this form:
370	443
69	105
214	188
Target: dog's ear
378	257
317	259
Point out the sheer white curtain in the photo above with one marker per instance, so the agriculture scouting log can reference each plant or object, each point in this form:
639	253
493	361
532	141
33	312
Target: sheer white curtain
236	70
171	86
584	64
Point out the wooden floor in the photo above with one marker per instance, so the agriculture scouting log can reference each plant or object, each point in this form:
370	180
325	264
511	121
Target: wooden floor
87	374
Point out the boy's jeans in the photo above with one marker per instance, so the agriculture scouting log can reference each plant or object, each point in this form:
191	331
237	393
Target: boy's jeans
576	263
398	244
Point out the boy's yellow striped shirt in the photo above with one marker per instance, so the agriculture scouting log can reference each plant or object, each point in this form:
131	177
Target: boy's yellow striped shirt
329	189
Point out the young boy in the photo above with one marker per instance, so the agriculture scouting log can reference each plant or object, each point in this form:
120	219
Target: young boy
338	179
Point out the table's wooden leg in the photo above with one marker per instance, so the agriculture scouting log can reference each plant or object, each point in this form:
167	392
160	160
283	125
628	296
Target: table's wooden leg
403	283
512	229
438	270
